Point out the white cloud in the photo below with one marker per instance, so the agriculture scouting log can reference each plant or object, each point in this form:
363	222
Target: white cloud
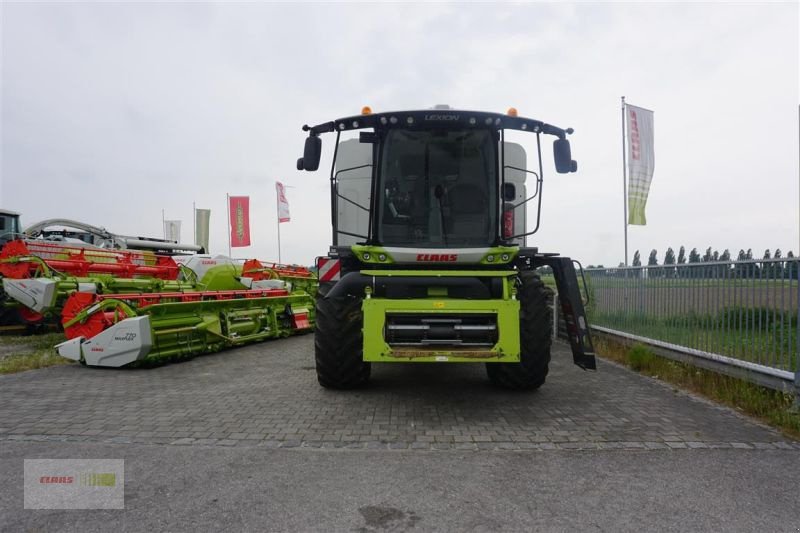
113	112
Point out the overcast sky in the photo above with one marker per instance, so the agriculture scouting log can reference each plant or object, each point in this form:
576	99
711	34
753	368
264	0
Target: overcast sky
113	112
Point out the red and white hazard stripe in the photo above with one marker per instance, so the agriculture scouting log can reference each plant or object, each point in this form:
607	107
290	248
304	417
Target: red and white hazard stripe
329	269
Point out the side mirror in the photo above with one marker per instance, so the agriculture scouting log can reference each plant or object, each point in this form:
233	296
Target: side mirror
311	154
562	155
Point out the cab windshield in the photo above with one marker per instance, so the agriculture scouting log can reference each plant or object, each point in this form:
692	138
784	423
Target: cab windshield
438	188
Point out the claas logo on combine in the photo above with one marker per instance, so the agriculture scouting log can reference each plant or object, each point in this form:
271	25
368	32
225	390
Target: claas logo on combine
442	258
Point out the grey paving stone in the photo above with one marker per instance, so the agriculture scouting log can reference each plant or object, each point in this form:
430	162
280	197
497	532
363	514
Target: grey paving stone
263	395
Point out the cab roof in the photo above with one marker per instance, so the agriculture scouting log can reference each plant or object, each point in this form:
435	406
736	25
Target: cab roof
443	118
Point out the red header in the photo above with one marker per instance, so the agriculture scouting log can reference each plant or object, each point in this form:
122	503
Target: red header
239	209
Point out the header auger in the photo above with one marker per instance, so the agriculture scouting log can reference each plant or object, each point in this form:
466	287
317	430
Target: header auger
27	259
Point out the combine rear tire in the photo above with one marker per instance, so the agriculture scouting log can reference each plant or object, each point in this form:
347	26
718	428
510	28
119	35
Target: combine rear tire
535	325
338	342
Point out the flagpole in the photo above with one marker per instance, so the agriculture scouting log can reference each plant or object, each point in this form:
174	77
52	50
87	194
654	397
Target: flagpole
278	219
163	224
624	184
228	209
194	221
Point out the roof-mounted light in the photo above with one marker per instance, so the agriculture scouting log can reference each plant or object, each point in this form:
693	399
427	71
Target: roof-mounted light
512	112
366	110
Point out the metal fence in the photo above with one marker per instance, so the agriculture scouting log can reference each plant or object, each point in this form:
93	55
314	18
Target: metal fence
740	317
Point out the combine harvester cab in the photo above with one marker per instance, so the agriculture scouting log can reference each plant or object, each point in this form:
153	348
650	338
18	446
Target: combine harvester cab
116	330
429	259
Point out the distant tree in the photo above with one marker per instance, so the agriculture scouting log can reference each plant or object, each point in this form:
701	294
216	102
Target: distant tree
694	257
741	268
669	262
724	257
715	256
752	269
681	261
707	257
637	259
776	268
766	268
791	266
653	259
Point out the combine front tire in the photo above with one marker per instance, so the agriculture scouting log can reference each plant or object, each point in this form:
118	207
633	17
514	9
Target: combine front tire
535	325
338	342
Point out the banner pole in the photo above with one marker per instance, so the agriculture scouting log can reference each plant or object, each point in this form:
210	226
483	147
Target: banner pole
163	224
194	221
624	184
228	209
278	218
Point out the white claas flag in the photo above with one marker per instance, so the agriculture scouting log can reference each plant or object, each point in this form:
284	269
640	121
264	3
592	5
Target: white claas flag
641	161
172	230
202	219
283	204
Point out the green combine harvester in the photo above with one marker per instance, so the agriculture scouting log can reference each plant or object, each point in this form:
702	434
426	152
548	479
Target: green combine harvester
429	261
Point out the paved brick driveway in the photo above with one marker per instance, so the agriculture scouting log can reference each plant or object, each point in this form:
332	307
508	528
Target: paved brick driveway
267	395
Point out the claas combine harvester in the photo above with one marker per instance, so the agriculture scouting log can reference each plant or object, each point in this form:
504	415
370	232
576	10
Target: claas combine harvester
120	307
429	261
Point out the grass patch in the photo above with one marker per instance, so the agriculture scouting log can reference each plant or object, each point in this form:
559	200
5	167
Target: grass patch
35	351
769	406
758	335
640	358
694	280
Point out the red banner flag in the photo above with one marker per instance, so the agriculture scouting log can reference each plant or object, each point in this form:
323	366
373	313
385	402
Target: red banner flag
239	208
